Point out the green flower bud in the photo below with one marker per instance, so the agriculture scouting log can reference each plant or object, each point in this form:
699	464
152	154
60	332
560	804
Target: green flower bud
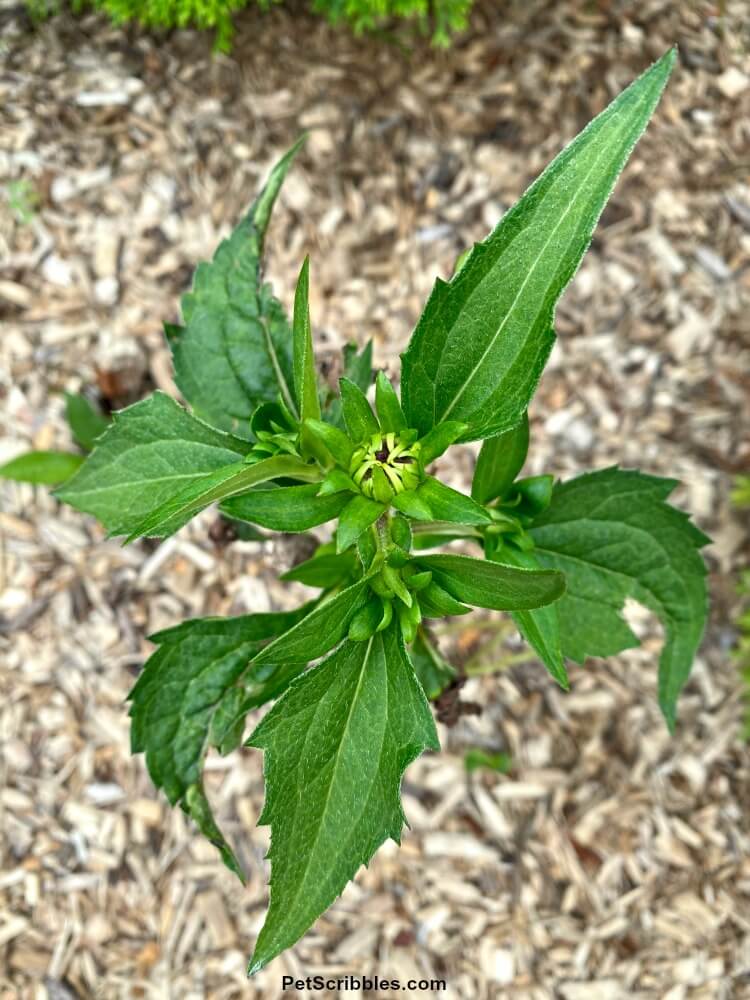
386	466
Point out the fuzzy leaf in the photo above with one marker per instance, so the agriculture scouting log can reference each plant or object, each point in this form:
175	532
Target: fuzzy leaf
484	337
198	666
319	631
235	350
289	508
540	627
359	513
500	460
488	585
150	451
358	416
433	501
614	536
390	414
218	485
336	746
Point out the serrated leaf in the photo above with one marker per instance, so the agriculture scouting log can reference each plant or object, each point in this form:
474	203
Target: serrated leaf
434	501
614	536
335	746
150	451
489	585
499	461
287	508
197	666
479	348
218	485
235	350
319	631
540	627
85	421
44	468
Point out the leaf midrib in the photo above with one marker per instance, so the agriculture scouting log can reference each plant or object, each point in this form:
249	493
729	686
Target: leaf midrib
525	281
334	769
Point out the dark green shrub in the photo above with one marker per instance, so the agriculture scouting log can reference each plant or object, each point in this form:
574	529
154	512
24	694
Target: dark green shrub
440	17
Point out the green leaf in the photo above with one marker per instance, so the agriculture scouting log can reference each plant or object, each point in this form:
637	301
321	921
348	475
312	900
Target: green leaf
500	460
198	666
85	421
319	631
336	746
305	378
476	758
484	337
540	627
218	485
432	669
390	414
534	494
288	508
236	348
359	513
439	438
47	468
150	451
358	369
358	416
438	603
328	569
614	536
433	501
337	443
488	585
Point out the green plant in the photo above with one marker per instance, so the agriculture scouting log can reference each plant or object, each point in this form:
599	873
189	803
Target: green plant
279	451
22	199
439	17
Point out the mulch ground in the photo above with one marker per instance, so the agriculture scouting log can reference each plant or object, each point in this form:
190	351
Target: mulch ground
612	861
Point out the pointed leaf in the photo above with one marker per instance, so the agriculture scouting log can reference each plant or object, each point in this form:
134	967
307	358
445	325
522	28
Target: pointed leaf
390	414
319	631
236	347
305	378
487	585
439	438
614	536
500	460
484	337
219	485
540	627
358	416
183	686
150	451
359	513
85	421
46	468
336	746
325	570
437	502
289	508
338	444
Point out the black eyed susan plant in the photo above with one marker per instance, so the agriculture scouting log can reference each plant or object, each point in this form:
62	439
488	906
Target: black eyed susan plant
348	671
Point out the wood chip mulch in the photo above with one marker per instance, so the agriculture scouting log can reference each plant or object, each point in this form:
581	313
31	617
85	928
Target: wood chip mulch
612	861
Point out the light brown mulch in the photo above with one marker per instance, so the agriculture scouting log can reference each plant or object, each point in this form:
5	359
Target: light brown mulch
612	861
